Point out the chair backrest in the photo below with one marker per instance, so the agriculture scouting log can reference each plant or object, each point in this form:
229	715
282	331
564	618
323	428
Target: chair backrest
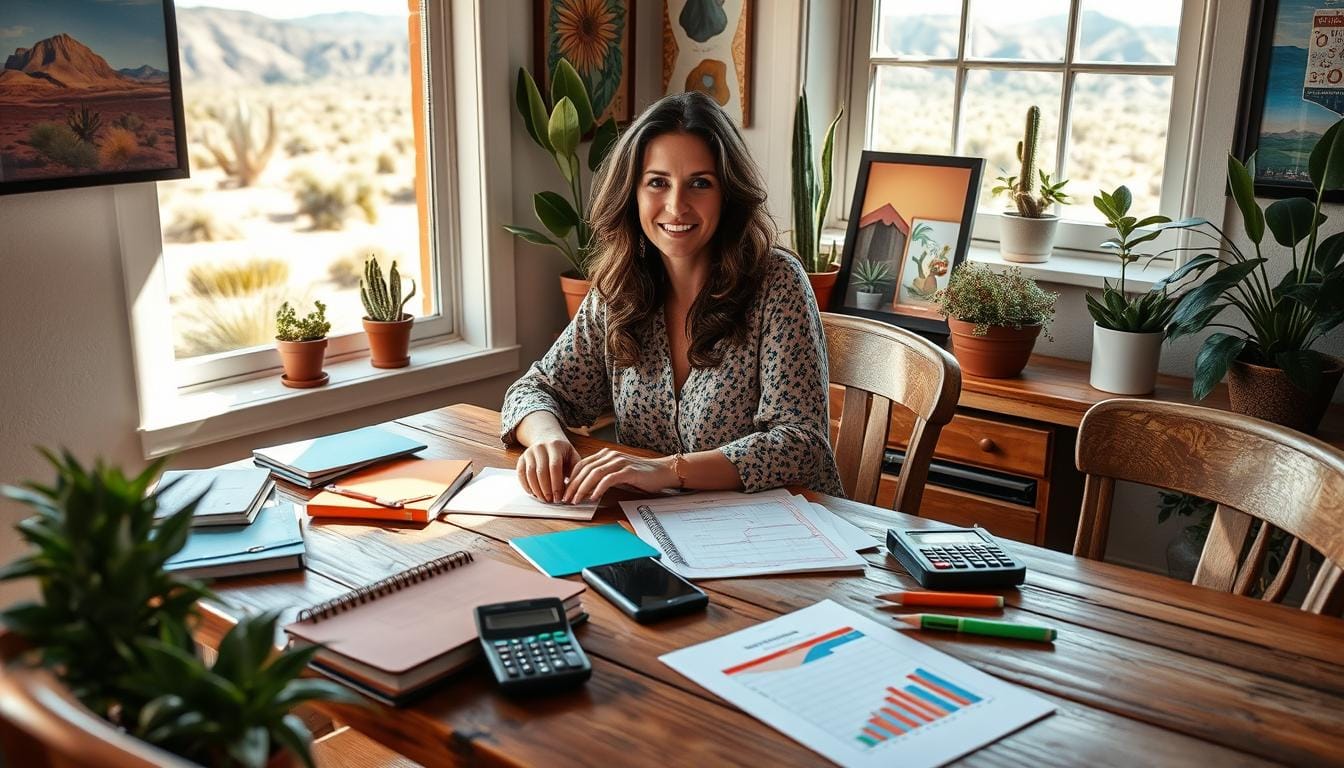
1250	468
879	364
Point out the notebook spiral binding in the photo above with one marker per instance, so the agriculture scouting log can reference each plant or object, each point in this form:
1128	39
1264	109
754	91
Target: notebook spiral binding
396	581
660	534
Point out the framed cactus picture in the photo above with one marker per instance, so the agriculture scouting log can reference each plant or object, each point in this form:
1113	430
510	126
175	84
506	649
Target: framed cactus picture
90	95
912	215
598	38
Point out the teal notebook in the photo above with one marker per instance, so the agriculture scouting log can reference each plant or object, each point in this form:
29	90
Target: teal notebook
565	553
311	463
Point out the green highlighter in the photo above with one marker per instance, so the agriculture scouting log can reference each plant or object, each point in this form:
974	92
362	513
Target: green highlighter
979	627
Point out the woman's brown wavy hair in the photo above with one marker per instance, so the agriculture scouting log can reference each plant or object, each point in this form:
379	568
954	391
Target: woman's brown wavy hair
632	285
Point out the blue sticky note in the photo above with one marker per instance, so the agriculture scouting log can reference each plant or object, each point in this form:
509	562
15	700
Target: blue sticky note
565	553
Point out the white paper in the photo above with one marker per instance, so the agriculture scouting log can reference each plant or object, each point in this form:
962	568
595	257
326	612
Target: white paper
720	535
496	491
851	534
857	692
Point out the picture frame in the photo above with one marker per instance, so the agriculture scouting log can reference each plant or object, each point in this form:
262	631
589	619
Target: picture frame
1292	91
602	49
95	96
707	47
913	213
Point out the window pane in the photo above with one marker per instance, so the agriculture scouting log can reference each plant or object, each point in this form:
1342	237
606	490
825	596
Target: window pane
1118	136
918	28
1033	30
303	162
1132	31
993	120
912	110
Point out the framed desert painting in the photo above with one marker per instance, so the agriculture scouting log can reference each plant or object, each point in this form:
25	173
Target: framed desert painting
89	95
909	226
707	48
598	38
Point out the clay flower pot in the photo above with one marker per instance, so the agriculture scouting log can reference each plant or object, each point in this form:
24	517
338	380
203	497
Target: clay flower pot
302	361
1266	393
1000	354
389	342
823	284
574	288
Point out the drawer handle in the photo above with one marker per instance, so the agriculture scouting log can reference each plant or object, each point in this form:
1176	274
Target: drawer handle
987	445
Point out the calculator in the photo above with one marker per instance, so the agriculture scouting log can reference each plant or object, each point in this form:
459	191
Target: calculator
530	646
954	558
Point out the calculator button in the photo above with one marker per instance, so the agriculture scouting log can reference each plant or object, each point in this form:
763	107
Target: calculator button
572	659
942	566
560	636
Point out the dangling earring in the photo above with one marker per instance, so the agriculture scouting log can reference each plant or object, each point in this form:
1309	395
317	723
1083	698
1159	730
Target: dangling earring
641	247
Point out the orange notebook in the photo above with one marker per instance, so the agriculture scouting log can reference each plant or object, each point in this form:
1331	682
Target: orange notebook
432	482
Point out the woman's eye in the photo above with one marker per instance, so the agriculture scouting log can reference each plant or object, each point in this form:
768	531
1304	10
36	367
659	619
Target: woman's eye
657	182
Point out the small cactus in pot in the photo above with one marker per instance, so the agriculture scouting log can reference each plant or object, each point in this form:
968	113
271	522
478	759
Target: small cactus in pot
386	322
1028	234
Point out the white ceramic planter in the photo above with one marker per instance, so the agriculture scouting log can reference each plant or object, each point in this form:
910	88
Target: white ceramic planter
1026	241
867	300
1125	363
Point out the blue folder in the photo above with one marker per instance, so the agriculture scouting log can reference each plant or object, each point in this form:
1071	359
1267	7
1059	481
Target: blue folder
273	542
565	553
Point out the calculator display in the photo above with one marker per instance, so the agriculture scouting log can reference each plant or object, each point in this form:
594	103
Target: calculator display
517	619
947	537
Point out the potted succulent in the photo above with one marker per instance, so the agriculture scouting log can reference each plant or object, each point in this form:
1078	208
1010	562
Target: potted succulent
302	343
871	278
994	318
811	198
386	322
1028	234
559	130
1273	372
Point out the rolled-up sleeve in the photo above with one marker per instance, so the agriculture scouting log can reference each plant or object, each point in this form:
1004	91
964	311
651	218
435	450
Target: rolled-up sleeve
572	381
791	446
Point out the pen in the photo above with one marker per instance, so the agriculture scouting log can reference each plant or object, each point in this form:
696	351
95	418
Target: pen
944	599
389	503
979	627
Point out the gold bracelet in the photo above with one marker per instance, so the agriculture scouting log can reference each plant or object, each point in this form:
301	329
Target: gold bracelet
677	461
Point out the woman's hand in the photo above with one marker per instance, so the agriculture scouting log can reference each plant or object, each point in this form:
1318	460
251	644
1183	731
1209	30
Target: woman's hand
595	474
543	467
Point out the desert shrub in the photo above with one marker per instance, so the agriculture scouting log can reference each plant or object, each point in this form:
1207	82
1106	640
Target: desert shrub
299	145
151	140
201	160
60	144
211	324
119	146
84	124
131	121
237	278
195	225
329	202
386	163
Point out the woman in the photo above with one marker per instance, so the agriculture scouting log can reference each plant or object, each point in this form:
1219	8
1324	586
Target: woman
700	335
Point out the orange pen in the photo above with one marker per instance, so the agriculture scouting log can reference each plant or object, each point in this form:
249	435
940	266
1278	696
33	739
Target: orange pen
944	599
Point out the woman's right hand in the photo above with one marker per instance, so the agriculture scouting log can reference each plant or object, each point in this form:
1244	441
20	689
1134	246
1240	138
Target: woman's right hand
544	466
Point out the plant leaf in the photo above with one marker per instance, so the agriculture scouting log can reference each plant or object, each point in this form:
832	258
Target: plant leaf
532	108
603	140
1290	219
824	173
555	213
532	236
563	129
566	84
1216	354
1326	164
1122	199
1239	179
1203	295
1328	252
1196	265
292	734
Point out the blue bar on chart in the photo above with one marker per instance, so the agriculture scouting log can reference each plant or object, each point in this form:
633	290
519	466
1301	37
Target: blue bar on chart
925	699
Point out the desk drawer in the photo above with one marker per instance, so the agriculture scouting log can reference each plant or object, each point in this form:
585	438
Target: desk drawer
953	507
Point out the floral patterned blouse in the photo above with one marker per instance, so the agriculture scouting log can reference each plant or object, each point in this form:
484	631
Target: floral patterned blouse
764	406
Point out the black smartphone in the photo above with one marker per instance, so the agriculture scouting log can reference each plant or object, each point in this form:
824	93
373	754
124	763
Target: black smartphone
645	589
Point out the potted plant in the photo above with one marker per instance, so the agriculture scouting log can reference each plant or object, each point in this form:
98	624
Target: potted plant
994	318
1028	234
302	343
872	279
811	198
386	322
560	130
1273	373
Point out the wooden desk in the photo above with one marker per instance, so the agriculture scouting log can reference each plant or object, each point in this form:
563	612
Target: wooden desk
1146	671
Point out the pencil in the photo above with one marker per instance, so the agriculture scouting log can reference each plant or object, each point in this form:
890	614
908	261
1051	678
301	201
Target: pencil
944	599
979	627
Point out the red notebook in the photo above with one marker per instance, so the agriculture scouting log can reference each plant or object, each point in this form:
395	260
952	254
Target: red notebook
430	482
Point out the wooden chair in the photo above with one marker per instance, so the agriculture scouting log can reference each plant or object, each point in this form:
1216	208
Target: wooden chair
879	364
1251	468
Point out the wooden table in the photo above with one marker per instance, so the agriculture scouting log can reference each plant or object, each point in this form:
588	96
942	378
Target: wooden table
1146	671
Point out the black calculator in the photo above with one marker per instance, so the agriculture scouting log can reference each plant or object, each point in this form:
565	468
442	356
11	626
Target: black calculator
530	645
955	558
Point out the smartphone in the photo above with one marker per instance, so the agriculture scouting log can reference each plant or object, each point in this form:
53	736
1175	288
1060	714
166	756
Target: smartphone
645	589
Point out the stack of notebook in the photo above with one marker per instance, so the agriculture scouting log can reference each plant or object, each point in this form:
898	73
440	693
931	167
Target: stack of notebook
413	490
311	463
273	542
231	496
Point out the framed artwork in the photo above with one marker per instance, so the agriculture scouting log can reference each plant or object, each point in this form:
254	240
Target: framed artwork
1292	90
598	38
913	214
707	47
91	95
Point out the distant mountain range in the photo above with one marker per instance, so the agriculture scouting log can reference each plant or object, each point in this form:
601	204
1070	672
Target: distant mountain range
145	73
1104	38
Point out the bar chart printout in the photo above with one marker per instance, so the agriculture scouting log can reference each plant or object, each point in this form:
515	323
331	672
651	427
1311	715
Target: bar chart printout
857	692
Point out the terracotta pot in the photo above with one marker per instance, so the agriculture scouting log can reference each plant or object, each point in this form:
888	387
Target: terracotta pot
1000	354
302	361
823	284
1266	393
389	341
574	288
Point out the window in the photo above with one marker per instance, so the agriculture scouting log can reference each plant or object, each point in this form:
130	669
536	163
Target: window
1114	80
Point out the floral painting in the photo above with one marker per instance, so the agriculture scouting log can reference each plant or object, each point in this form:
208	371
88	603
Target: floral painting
707	48
927	258
597	37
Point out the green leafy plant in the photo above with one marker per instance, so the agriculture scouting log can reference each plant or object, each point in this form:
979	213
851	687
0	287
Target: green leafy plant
872	276
84	124
59	144
977	294
1031	202
1148	312
811	190
247	153
382	296
559	130
289	327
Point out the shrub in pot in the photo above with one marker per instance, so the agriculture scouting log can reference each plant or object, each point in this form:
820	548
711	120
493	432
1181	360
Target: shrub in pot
1028	234
871	279
994	318
811	197
386	322
302	343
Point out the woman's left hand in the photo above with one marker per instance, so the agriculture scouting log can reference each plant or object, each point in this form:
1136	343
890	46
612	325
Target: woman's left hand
595	474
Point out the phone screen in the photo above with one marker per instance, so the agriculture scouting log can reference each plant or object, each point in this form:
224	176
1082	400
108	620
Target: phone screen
646	582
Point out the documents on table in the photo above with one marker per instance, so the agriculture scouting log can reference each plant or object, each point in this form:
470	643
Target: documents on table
851	534
497	491
718	535
857	692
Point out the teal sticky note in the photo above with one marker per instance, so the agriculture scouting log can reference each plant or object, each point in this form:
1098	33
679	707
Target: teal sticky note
565	553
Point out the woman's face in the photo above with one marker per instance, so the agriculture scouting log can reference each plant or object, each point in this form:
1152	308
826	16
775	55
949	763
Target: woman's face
679	196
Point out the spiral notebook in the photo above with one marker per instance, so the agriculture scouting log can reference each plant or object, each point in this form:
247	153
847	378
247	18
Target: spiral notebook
397	636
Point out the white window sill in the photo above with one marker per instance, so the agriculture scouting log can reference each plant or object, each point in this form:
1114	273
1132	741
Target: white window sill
212	413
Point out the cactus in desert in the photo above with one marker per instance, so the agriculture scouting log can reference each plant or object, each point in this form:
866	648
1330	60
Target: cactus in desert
382	297
1031	203
85	124
250	153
